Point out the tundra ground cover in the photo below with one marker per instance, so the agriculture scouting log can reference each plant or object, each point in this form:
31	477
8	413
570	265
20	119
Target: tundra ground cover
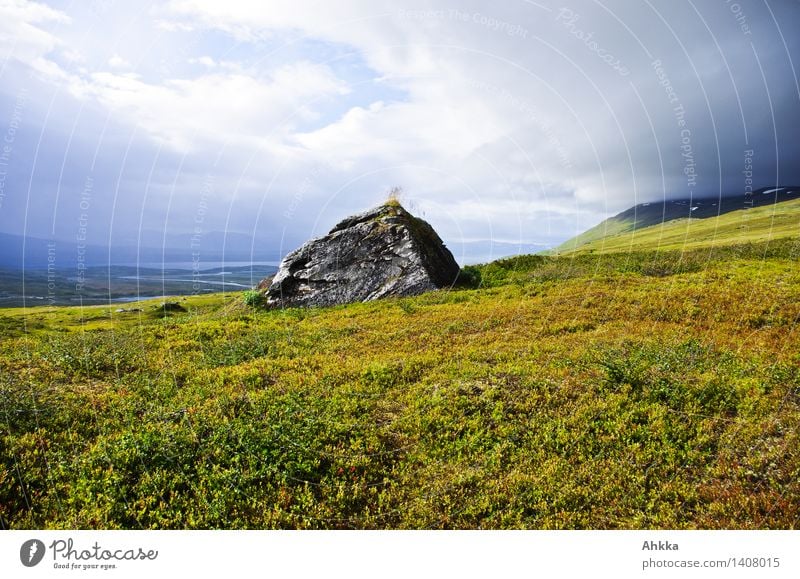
616	390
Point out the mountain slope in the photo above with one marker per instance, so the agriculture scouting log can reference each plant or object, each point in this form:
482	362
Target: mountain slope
682	224
646	215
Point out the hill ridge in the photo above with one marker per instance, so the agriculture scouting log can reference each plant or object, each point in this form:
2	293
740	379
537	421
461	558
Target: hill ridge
648	214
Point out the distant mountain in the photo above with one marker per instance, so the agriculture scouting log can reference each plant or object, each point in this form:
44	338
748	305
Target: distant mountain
37	253
106	284
486	250
234	241
180	247
655	213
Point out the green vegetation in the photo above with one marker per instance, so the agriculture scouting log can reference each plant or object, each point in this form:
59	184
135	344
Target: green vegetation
608	228
253	298
662	213
647	389
759	224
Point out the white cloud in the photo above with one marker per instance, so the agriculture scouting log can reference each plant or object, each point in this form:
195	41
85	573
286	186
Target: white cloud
173	26
220	108
229	104
456	75
117	61
206	61
22	36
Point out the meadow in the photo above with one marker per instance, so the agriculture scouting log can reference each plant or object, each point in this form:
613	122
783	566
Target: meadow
632	389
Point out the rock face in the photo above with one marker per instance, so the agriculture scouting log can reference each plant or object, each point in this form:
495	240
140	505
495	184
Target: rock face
382	252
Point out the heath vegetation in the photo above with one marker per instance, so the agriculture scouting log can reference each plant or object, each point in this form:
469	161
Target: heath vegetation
630	389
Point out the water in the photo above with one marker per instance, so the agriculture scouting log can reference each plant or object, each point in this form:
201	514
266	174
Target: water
198	266
129	282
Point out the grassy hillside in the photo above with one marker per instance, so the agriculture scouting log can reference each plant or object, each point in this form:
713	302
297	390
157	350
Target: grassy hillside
647	215
616	390
778	221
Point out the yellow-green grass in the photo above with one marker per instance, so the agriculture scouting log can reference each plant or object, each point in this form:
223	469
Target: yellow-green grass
18	321
608	228
759	224
630	390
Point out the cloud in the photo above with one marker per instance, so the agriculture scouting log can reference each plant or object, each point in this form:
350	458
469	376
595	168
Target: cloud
575	86
22	33
230	104
218	108
206	61
117	61
474	94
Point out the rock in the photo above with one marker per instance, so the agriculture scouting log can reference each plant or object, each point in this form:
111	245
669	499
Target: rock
171	307
382	252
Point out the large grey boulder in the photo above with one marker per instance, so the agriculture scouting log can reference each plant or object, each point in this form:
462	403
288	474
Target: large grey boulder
382	252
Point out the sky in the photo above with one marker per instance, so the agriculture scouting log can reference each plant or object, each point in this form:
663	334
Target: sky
522	122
